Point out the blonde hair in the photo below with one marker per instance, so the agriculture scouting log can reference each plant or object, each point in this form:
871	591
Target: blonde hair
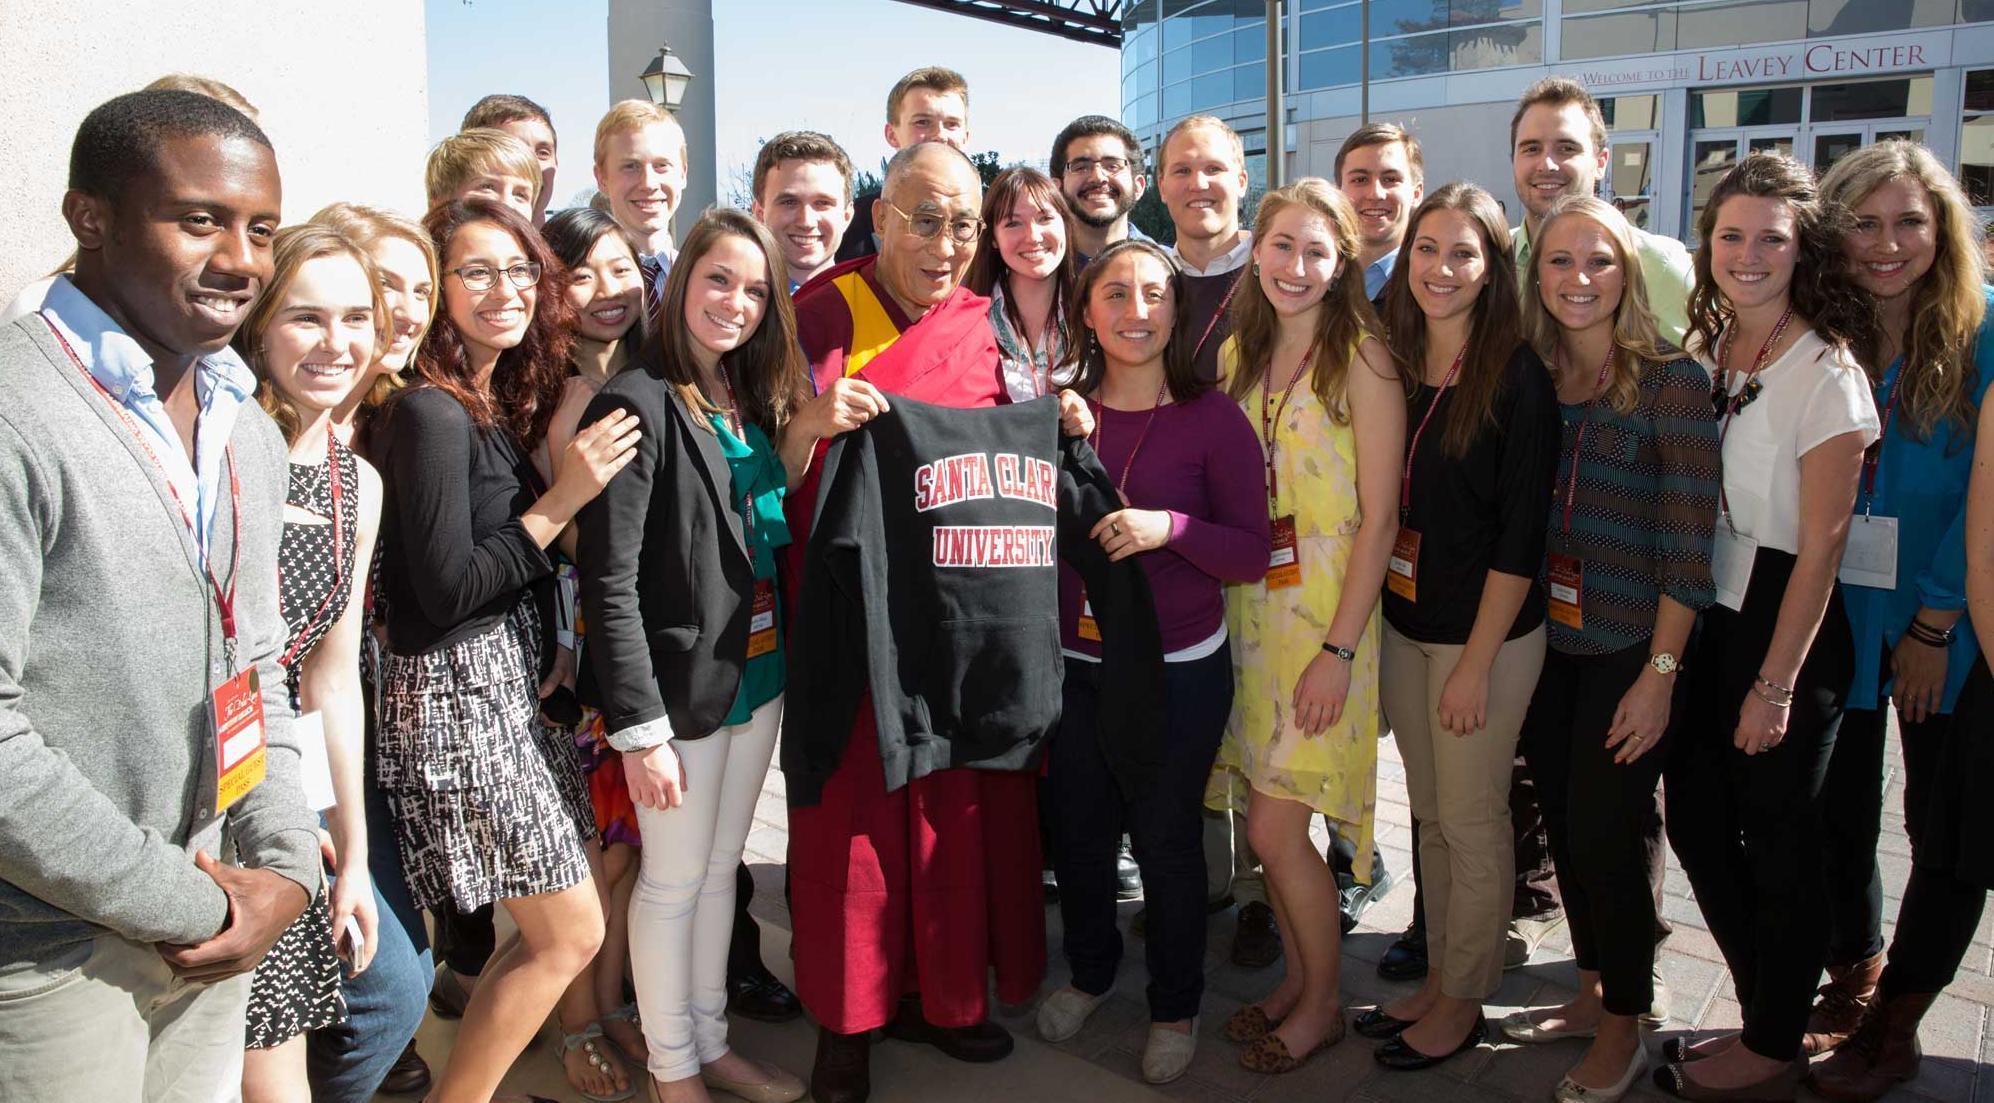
1636	336
458	158
206	86
625	116
1201	122
366	226
1947	305
1346	317
290	250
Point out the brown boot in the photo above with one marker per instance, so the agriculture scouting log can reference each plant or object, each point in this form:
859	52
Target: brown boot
1882	1053
1850	991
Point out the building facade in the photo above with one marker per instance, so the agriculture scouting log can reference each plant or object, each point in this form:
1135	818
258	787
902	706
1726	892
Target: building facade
1688	87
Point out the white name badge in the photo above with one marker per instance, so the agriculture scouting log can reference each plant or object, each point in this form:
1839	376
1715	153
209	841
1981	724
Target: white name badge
1871	556
1731	558
314	767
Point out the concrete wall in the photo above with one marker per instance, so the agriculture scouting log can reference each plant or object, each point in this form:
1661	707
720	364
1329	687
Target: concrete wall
636	29
1459	143
342	90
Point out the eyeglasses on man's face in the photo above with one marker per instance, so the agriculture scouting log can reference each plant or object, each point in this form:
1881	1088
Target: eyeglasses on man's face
1082	166
483	277
962	229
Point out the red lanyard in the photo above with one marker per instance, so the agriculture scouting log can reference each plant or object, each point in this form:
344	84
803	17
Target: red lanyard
1219	313
1731	404
1412	449
1100	427
224	598
338	546
1874	458
1579	445
1271	428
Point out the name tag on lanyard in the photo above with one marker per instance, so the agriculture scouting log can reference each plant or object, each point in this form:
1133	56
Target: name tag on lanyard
1284	569
1402	569
1870	559
235	717
1086	628
761	619
1566	576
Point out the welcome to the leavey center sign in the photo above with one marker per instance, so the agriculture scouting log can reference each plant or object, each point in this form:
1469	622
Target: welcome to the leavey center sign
1792	61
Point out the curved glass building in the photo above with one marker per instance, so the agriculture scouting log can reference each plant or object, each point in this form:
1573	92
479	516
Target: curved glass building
1689	86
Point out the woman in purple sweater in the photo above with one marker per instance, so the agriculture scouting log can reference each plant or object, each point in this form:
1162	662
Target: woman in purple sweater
1188	468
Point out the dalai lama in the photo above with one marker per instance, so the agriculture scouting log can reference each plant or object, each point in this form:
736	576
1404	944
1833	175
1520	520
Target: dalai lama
904	902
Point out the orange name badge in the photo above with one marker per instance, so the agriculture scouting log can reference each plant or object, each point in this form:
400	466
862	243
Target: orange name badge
1402	570
1283	568
761	619
236	716
1566	575
1086	628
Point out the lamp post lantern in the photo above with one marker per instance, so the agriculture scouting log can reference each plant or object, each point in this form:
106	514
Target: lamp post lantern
666	78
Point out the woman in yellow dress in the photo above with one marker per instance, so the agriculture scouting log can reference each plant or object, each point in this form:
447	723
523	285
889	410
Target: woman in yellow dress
1329	402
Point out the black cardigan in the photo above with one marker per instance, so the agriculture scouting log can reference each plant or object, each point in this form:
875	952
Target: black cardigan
667	581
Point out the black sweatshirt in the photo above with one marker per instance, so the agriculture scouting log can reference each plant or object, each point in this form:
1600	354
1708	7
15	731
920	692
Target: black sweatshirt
931	583
457	555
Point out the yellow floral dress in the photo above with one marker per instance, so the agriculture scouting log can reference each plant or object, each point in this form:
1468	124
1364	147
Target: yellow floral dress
1276	634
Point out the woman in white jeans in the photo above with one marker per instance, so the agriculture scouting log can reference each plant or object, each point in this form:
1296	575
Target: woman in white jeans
685	622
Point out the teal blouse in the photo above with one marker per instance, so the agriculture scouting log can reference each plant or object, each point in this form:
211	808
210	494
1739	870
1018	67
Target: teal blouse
1922	483
759	483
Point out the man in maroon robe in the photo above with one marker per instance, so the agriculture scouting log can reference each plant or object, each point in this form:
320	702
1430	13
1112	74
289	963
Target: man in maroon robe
904	902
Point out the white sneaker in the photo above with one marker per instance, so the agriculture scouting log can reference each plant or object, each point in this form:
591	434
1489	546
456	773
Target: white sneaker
1168	1053
1064	1012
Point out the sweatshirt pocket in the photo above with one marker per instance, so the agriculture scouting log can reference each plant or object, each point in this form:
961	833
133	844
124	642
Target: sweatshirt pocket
993	684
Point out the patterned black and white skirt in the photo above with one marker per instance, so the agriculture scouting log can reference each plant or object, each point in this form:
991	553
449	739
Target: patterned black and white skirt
488	803
296	988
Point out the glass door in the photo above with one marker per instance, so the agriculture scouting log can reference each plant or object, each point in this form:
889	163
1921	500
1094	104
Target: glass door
1713	153
1630	176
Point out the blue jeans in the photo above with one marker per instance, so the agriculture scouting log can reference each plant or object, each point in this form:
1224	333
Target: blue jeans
346	1063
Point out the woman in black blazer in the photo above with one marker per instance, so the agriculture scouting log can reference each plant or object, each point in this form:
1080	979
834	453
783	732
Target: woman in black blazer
678	562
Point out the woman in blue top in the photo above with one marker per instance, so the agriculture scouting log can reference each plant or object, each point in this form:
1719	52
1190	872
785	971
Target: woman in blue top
1904	580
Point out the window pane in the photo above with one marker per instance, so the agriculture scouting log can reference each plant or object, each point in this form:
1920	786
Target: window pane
1490	47
1709	162
1980	90
1976	11
1249	82
1407	57
1212	89
1329	68
1829	148
1638	209
1630	112
1177	65
1336	27
1574	7
1833	17
1178	101
1872	99
1621	33
1139	47
1976	159
1781	144
1140	13
1389	17
1750	21
1250	44
1210	54
1747	107
1632	169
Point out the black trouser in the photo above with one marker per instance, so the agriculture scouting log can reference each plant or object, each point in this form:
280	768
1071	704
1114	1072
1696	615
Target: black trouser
1536	884
464	940
1601	818
1941	909
1746	826
1343	859
1851	824
744	953
1165	825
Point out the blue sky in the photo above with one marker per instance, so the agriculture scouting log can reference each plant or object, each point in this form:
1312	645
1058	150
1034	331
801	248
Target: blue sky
776	73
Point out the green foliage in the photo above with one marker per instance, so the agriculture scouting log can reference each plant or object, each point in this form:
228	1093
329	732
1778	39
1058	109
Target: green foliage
868	182
1150	216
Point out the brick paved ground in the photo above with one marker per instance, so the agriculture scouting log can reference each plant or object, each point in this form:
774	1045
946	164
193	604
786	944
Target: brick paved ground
1100	1065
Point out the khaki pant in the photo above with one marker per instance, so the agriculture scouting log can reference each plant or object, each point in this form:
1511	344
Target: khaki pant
1459	788
109	1023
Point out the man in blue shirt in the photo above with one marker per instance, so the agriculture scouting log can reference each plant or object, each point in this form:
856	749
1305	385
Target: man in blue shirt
1381	171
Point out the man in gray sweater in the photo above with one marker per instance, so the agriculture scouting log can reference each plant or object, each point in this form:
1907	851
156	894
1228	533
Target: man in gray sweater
141	506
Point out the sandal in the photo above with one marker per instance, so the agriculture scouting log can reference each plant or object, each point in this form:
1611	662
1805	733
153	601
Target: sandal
1270	1054
585	1040
1249	1024
627	1013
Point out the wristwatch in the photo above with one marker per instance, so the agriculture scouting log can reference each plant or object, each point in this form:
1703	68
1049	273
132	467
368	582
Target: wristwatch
1348	655
1663	662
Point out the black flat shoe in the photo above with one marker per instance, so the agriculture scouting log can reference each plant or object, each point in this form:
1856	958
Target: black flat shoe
979	1043
1677	1051
842	1071
1399	1055
761	996
1378	1026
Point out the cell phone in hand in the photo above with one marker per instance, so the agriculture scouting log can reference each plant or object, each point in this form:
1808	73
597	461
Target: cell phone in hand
350	940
